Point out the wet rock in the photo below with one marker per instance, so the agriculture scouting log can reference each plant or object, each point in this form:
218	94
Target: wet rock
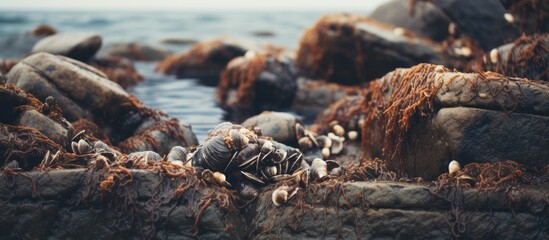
368	210
278	125
79	46
421	17
527	57
423	117
118	69
83	92
265	81
205	60
483	21
351	49
43	205
134	51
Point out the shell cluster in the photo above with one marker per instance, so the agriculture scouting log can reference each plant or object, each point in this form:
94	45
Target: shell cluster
330	144
80	146
245	155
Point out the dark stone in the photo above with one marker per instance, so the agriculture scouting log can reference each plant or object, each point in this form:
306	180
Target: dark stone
278	125
371	210
79	46
134	51
54	205
480	20
423	18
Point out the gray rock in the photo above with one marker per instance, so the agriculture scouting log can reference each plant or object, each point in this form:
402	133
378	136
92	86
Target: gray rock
79	46
205	60
371	210
481	20
424	18
51	129
64	205
278	125
351	49
134	51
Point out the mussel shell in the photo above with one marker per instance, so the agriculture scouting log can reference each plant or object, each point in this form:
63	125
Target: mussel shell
74	148
319	169
324	141
177	153
151	156
213	155
83	147
247	156
252	177
100	145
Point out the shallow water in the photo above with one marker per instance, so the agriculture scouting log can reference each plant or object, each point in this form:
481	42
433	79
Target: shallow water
186	100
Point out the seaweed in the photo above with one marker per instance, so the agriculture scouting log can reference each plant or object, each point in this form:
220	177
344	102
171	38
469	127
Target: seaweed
241	74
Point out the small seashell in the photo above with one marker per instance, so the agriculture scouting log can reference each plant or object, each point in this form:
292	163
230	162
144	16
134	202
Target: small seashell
270	171
338	130
319	169
177	153
151	156
352	135
221	179
208	176
78	135
337	146
324	141
282	194
83	147
325	153
74	147
338	171
279	156
494	54
509	17
100	145
453	167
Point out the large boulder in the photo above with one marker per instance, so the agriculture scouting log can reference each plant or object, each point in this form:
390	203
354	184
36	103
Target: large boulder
526	57
264	81
379	210
83	92
351	49
483	21
79	46
422	17
84	204
205	60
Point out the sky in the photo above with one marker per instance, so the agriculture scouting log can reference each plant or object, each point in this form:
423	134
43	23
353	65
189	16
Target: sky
190	5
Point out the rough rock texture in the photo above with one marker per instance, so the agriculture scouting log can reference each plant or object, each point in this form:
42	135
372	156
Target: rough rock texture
205	60
371	210
278	125
423	18
421	118
351	49
134	51
526	57
79	46
480	20
68	204
54	130
313	96
266	81
83	92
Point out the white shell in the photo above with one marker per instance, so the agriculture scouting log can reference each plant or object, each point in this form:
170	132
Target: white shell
494	55
352	135
325	153
509	17
453	167
339	130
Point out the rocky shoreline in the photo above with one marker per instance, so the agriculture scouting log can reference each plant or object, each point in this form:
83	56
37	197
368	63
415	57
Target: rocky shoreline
431	122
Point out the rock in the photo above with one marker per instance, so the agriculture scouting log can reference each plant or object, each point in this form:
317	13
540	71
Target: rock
482	21
371	210
421	118
205	60
68	204
278	125
266	81
421	17
43	30
527	57
118	69
51	129
134	51
313	96
179	41
529	17
346	111
351	49
83	92
79	46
